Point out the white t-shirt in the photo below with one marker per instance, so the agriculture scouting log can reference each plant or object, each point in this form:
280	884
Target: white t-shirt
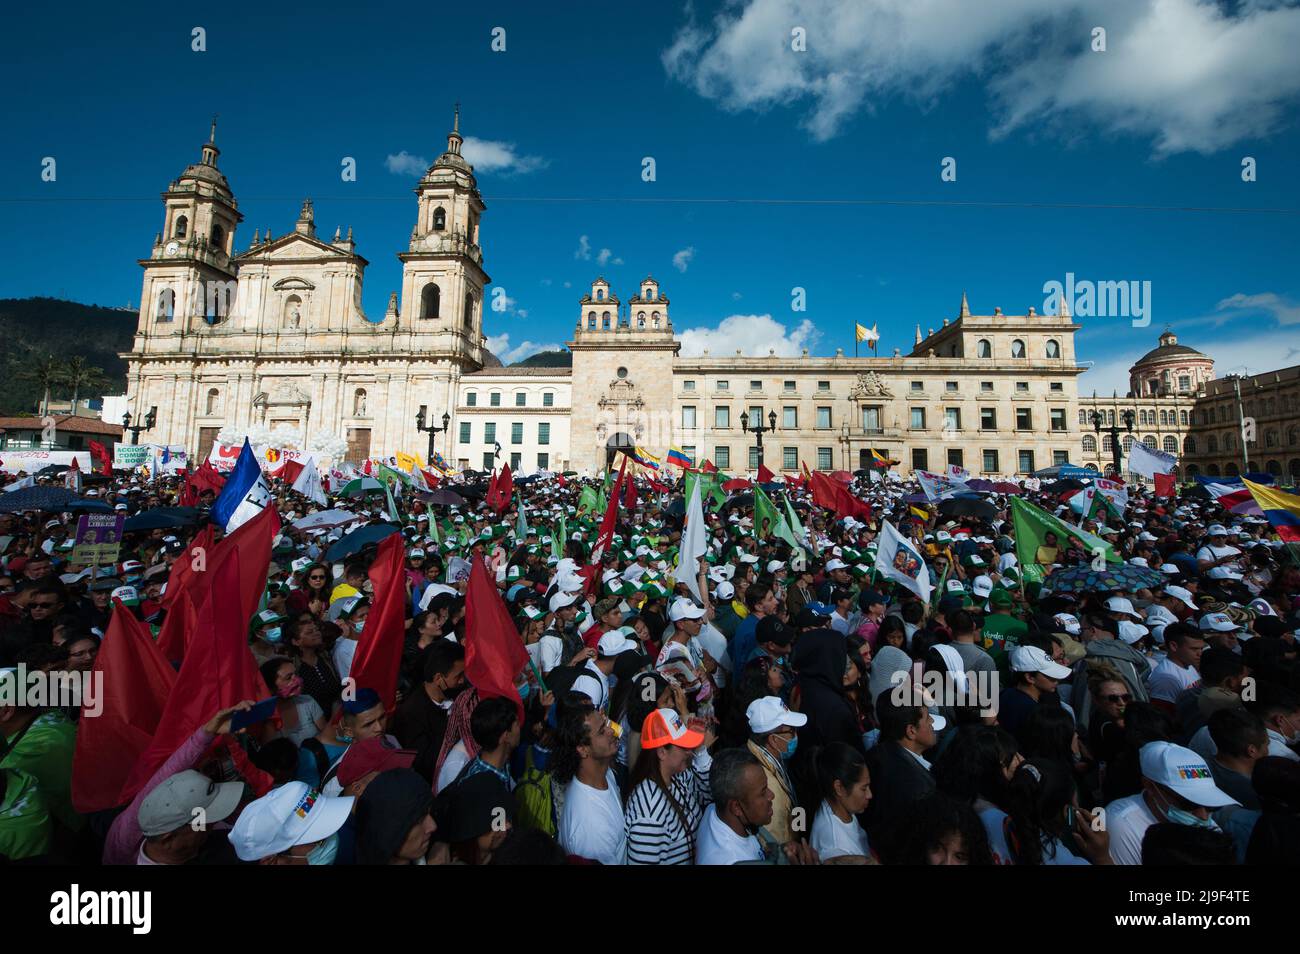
1128	820
457	759
719	845
1225	572
591	825
593	684
550	650
1277	746
344	650
832	838
1168	680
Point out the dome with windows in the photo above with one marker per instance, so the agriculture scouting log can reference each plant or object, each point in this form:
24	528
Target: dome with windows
1170	369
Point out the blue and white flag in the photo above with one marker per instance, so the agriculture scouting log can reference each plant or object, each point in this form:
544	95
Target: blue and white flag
897	559
245	494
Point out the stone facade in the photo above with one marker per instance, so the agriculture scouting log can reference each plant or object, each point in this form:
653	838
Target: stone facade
1248	423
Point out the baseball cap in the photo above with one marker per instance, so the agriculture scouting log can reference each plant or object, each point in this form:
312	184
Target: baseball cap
1001	599
342	607
171	805
561	600
1182	771
664	727
1218	622
1033	659
836	565
774	565
724	591
684	608
1217	530
377	754
292	814
129	595
769	713
810	617
982	586
1118	604
1181	593
1131	632
613	643
1067	622
770	629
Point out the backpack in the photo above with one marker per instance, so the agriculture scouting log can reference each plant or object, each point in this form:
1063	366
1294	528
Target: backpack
535	804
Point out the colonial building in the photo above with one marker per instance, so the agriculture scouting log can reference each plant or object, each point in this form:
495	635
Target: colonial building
1247	424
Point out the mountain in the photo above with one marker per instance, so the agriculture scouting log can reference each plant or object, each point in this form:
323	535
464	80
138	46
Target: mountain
546	359
33	327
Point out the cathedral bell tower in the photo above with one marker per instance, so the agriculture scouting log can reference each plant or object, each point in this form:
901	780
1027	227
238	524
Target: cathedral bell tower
189	276
442	270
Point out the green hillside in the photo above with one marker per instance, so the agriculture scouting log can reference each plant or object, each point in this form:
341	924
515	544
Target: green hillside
30	328
546	359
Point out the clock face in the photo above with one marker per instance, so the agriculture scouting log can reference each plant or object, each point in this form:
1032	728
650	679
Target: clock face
173	248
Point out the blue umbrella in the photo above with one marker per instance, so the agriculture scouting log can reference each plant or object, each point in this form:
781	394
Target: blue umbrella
88	506
358	540
152	520
51	499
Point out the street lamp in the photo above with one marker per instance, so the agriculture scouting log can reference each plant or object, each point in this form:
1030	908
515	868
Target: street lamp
1241	421
758	430
1113	430
150	420
432	429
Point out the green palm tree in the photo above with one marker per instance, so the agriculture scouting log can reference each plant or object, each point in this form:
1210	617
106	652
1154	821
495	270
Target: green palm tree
46	372
78	374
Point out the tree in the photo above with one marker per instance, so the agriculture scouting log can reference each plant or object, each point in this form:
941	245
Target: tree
79	374
47	372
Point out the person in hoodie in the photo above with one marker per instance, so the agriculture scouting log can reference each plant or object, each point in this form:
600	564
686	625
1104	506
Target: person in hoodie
394	821
1102	646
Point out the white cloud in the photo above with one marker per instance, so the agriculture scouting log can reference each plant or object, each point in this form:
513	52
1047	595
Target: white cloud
405	164
736	296
682	259
1282	310
605	256
488	155
1193	75
499	345
755	335
568	284
584	249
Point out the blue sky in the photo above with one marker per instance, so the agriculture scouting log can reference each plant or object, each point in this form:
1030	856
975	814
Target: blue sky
843	141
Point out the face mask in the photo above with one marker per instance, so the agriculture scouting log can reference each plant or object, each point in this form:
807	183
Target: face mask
293	688
357	626
789	749
524	691
325	852
273	634
1180	817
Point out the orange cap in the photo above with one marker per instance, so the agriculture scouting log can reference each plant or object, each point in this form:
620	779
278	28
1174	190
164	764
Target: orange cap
664	727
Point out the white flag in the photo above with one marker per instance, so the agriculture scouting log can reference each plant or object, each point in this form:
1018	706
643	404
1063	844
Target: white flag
939	486
693	545
308	483
1148	461
898	560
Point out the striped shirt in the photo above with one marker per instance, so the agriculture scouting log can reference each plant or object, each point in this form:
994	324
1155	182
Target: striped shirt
655	834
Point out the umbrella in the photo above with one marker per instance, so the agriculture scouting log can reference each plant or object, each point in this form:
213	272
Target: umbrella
88	506
843	476
1114	576
473	491
153	520
183	514
918	498
1007	487
52	499
325	520
569	473
442	498
361	486
51	470
740	500
1060	486
981	486
968	507
676	508
358	540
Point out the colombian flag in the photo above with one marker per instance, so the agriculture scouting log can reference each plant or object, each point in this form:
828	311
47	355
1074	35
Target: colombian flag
1282	510
678	457
644	458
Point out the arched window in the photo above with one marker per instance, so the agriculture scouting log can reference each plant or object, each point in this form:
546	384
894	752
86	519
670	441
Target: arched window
591	319
439	219
1231	470
1292	436
984	349
1182	418
219	237
1189	444
1053	349
1089	444
1128	443
649	294
1212	470
604	321
182	227
469	310
430	300
1150	441
1229	442
1212	444
1110	417
1107	444
600	294
640	319
1017	349
654	319
213	404
292	312
359	403
1142	417
1274	468
1270	438
166	305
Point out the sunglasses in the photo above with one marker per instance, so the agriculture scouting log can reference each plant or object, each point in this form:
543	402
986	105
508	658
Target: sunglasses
1119	697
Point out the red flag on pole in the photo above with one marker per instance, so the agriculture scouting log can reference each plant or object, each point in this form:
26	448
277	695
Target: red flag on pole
134	682
708	467
494	653
1164	485
208	478
183	570
824	491
629	495
501	490
765	476
289	471
218	672
99	453
379	648
847	505
253	542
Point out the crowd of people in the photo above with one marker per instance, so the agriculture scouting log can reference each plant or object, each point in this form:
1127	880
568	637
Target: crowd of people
772	704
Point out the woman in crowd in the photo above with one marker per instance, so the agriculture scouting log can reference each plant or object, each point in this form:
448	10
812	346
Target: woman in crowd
314	594
319	678
1043	816
669	791
846	791
301	717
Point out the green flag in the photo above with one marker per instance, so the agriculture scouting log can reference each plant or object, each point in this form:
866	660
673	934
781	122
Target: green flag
387	473
793	519
393	515
587	499
768	521
1032	524
1103	505
521	525
558	539
434	530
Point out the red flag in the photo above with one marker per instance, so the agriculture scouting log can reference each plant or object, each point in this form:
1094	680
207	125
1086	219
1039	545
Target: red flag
208	478
737	483
252	541
494	653
178	625
1164	485
824	491
560	479
847	505
659	488
134	682
182	572
629	496
765	476
289	471
218	672
708	467
379	648
430	478
99	453
501	490
606	535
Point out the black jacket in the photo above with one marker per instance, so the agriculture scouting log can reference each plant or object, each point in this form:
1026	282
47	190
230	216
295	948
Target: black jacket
897	780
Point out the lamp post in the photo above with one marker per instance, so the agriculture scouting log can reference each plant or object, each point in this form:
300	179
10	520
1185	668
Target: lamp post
758	430
432	429
150	420
1241	421
1113	430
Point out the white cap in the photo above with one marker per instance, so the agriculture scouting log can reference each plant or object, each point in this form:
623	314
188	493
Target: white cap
774	565
982	586
642	550
1182	594
1262	607
1131	632
719	573
341	607
1068	623
1139	561
684	608
613	643
1118	604
724	591
836	565
1170	569
290	815
1033	659
1217	529
1182	771
1218	623
562	599
769	713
